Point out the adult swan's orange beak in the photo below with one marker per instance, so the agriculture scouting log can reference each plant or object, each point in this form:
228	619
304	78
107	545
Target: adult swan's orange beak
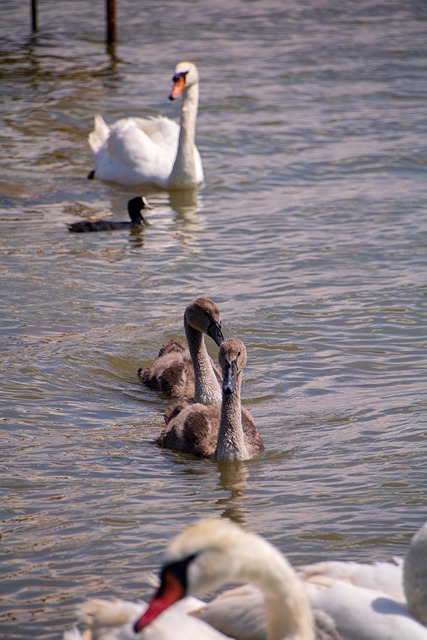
178	85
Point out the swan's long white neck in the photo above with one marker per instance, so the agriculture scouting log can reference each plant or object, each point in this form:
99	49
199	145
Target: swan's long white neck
231	442
288	611
206	386
184	168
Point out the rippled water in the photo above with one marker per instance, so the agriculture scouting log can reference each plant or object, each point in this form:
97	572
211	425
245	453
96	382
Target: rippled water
310	234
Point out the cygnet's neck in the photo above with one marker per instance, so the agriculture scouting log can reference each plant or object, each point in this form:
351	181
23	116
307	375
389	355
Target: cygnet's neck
184	168
288	610
231	440
206	386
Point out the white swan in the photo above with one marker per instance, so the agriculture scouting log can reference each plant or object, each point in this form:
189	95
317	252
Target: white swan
207	555
153	151
221	433
189	373
213	553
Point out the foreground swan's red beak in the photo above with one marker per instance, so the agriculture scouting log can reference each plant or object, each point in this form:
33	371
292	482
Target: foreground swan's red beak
178	86
168	593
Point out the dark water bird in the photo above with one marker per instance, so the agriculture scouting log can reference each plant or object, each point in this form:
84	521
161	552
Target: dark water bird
135	206
189	373
221	432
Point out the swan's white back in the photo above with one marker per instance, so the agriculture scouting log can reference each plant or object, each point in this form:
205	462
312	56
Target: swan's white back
366	614
380	576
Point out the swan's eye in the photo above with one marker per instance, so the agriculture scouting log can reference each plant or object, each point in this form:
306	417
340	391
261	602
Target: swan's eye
180	74
238	353
177	569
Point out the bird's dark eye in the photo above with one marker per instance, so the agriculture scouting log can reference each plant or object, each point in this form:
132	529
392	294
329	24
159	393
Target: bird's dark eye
180	74
238	353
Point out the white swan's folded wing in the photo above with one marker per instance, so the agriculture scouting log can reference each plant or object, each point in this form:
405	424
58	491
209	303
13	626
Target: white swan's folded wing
99	136
365	614
239	613
132	152
380	576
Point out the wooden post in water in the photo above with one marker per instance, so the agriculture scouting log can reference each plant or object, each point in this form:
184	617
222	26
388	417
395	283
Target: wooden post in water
34	24
111	21
110	7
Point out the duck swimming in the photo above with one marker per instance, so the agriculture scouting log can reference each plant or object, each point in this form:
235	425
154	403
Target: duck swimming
135	206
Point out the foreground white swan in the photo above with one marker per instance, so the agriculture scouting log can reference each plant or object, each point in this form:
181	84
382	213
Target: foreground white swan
206	556
189	373
153	151
215	552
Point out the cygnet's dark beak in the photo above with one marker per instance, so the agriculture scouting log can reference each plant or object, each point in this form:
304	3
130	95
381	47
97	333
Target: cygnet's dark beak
229	379
215	332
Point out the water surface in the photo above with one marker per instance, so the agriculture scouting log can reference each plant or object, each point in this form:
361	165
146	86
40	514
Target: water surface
310	234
